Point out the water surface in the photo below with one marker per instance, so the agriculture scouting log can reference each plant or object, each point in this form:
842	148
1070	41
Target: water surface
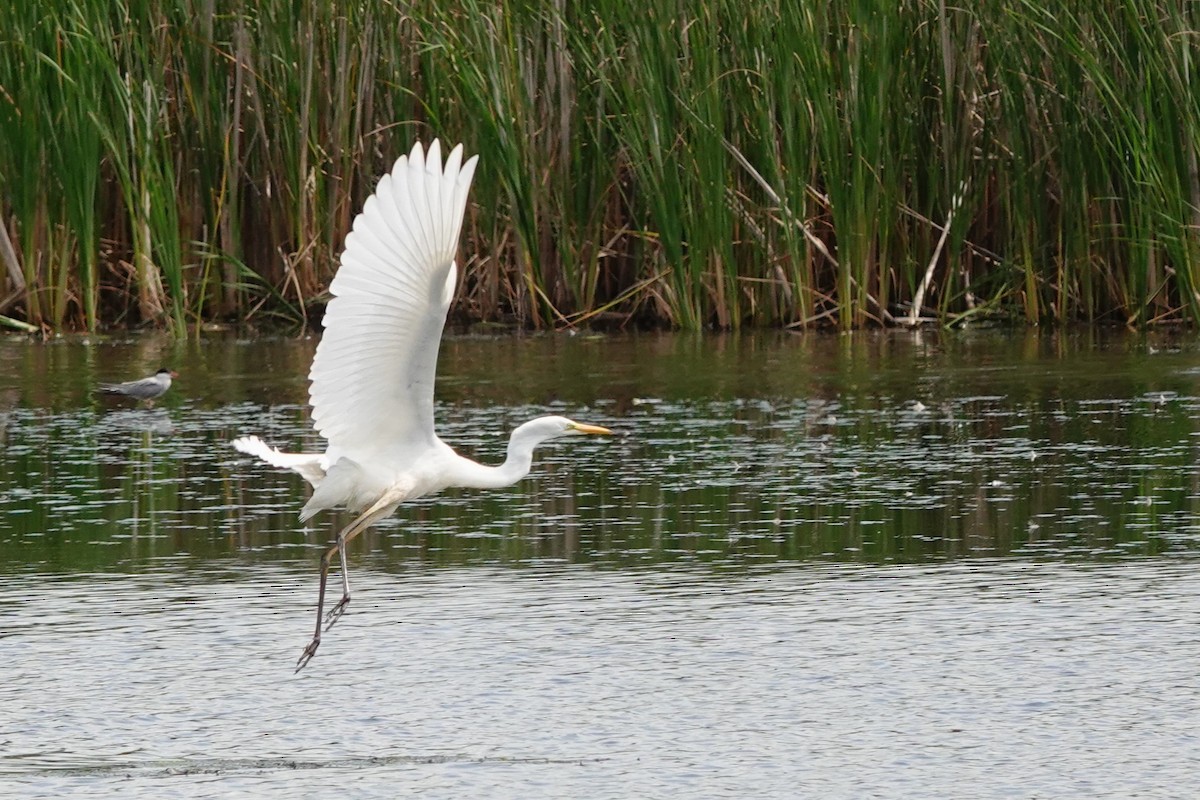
896	565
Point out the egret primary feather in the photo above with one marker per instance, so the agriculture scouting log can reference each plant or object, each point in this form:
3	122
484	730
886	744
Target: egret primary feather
372	378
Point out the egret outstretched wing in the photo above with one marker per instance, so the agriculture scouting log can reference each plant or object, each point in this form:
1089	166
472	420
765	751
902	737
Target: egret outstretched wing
373	374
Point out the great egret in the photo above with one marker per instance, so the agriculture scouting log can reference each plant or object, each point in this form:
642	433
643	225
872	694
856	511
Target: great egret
372	377
145	389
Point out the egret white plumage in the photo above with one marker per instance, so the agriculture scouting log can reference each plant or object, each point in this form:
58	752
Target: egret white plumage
371	382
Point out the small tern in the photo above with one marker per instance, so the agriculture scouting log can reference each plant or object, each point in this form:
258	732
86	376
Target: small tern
145	389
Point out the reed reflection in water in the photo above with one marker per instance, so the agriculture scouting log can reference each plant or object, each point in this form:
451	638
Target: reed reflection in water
885	451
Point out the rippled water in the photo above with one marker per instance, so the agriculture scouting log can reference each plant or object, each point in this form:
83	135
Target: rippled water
886	565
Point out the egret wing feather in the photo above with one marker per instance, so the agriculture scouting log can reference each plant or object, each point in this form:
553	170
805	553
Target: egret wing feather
373	374
310	466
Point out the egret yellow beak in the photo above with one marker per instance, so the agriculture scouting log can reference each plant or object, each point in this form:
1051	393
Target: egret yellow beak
582	428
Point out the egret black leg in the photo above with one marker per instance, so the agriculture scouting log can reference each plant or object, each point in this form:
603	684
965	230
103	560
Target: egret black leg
384	506
311	650
336	612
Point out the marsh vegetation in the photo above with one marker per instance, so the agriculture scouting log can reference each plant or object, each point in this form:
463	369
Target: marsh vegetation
173	162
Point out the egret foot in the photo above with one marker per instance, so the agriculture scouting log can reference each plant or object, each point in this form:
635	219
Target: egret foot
336	612
308	653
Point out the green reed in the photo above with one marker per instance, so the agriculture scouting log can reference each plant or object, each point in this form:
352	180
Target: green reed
171	162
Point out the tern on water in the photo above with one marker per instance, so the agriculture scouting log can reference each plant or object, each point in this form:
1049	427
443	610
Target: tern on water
372	377
145	389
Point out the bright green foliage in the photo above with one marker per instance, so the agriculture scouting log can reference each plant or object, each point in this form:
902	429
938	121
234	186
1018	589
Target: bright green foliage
842	162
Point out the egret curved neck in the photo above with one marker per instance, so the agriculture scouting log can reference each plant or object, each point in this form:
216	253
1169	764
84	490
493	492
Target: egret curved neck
473	475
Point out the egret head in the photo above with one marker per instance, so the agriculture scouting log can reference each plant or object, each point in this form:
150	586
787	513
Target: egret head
573	427
543	428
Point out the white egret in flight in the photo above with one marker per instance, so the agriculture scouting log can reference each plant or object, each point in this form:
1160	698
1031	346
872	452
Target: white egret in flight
372	377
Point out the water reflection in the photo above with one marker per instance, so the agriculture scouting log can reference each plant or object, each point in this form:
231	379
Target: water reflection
739	449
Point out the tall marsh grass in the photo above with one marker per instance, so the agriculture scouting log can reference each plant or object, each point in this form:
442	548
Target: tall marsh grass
842	163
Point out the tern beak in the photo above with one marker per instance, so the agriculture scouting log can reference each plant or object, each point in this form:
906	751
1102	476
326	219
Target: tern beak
582	428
